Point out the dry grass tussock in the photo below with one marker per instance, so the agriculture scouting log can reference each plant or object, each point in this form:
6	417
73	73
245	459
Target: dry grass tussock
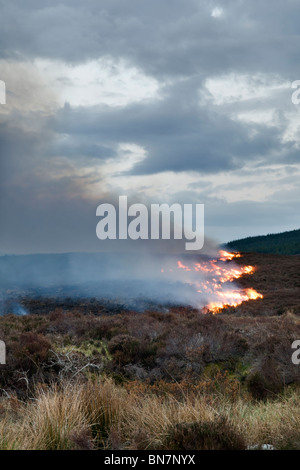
99	414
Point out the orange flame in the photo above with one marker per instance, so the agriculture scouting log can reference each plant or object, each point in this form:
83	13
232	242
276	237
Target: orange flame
226	256
220	273
233	299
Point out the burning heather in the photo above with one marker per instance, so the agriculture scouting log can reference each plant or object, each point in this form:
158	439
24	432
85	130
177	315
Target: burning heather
205	282
215	281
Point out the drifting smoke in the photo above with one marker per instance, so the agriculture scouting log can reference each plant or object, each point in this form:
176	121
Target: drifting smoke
9	306
56	199
19	310
136	279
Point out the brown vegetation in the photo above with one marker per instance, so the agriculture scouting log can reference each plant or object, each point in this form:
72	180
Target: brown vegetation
80	379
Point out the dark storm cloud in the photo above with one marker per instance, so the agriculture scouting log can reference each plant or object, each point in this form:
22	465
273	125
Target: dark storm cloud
20	152
179	43
39	213
178	134
177	37
174	39
80	147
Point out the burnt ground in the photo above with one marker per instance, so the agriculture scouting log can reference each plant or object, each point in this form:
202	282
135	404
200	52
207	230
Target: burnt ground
276	277
169	354
67	335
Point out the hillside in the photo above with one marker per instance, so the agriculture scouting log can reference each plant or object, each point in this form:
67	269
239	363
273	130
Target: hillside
285	243
83	375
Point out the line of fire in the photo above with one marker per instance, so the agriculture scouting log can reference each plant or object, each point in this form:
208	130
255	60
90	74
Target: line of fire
217	284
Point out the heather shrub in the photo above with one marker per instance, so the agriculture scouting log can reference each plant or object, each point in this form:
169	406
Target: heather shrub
206	435
124	348
265	381
127	349
30	352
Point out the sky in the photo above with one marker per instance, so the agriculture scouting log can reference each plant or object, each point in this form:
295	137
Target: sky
166	101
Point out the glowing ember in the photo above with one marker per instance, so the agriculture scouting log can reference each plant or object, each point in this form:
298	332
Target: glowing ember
215	283
225	256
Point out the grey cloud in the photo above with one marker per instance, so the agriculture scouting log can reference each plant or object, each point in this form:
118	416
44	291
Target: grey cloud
180	44
76	147
164	39
178	134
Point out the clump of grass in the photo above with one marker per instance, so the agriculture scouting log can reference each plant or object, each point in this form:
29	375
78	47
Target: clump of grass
54	417
104	404
275	422
99	414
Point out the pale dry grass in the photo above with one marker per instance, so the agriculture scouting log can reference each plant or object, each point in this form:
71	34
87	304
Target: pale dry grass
54	417
274	422
153	417
100	414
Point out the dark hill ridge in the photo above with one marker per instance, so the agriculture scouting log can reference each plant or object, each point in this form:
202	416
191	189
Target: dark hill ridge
285	243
